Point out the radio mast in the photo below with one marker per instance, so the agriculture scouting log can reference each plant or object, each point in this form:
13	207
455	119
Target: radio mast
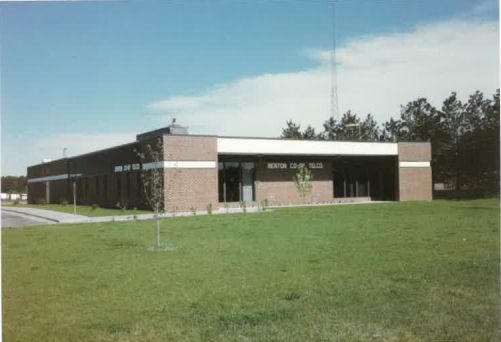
334	112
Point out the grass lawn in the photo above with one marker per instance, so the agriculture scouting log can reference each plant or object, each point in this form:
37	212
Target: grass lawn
84	209
383	272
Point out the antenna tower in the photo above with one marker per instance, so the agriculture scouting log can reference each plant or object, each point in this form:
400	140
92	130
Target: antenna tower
334	105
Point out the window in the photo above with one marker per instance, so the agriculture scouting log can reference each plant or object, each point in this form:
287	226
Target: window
138	184
105	186
119	186
371	177
97	185
128	184
86	191
236	181
79	188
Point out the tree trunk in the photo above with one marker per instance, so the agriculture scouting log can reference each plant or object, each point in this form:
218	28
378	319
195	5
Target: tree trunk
158	231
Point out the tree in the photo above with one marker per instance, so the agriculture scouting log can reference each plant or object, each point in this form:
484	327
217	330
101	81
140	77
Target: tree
309	133
292	131
330	129
448	155
480	145
302	180
391	130
369	129
13	184
152	179
419	120
349	127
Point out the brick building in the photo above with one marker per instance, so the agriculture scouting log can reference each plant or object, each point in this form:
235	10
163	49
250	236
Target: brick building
203	169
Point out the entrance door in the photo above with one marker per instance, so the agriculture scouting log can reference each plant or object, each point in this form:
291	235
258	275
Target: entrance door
247	182
232	178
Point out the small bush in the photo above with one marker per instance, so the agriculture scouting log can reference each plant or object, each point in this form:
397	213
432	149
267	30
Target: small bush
227	208
243	205
41	201
193	211
94	206
264	204
122	205
209	208
16	202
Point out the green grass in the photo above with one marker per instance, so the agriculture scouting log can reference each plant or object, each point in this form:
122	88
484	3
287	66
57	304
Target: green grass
85	210
380	272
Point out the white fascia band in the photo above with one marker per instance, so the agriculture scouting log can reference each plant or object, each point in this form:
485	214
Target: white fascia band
53	178
304	147
414	164
181	164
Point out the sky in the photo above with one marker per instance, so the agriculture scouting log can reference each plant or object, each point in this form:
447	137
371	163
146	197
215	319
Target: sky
90	75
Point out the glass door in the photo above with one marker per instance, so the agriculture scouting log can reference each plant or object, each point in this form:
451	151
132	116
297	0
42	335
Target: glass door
247	182
232	181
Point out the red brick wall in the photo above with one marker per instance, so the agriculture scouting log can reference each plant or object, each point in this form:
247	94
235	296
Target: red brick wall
415	183
190	147
278	187
414	151
185	187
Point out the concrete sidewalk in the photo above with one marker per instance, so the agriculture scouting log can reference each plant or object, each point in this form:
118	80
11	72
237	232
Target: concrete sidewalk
51	215
61	217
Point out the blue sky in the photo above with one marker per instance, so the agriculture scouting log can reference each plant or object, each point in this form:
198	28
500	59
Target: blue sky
87	75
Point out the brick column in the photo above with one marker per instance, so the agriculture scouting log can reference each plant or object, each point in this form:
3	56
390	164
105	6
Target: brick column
414	172
191	173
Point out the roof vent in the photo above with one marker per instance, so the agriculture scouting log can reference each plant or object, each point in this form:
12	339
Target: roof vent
176	129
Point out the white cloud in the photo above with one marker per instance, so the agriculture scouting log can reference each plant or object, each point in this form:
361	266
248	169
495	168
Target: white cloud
375	75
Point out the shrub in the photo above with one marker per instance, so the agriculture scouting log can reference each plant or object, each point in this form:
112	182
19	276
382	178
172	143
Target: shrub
193	210
227	208
264	204
209	208
94	206
122	205
40	200
243	205
16	201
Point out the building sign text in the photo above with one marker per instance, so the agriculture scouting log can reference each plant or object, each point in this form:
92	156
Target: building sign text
294	165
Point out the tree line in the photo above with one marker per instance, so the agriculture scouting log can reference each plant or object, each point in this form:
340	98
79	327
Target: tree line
464	138
14	185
